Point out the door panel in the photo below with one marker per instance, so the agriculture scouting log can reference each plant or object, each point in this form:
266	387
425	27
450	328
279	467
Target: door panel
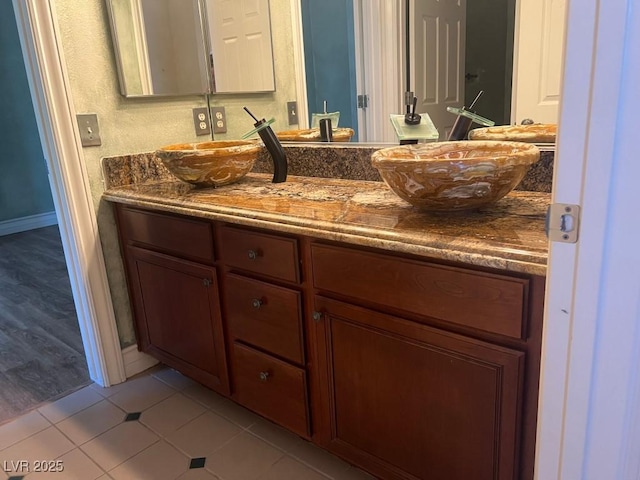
538	60
418	402
240	33
177	312
438	49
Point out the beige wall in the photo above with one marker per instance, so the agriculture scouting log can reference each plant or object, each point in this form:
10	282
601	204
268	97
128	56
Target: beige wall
143	124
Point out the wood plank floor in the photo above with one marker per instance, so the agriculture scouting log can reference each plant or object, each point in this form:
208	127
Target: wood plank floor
41	352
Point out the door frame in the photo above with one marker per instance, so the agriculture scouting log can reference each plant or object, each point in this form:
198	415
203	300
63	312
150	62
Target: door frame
379	30
77	220
589	411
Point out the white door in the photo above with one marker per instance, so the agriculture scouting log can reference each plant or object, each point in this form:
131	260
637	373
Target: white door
539	47
437	44
240	39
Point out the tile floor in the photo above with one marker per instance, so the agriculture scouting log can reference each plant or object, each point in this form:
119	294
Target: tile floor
159	425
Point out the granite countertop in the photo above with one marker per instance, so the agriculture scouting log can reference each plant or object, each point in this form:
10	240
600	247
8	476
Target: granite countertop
508	235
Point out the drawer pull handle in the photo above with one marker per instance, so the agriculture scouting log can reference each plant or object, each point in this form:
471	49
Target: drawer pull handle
256	303
252	254
317	316
264	376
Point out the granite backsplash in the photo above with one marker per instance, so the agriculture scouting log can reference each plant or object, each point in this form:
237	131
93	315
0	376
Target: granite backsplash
351	162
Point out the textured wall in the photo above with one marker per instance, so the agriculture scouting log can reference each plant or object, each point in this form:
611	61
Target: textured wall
137	125
22	162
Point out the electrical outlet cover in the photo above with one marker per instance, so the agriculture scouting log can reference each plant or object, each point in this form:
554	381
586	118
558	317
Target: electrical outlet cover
219	118
201	121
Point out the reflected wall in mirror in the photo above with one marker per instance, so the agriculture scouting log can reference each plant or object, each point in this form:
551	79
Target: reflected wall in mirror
456	48
186	47
159	47
241	54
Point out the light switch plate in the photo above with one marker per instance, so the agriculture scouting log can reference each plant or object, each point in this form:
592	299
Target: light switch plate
219	120
292	110
89	129
201	121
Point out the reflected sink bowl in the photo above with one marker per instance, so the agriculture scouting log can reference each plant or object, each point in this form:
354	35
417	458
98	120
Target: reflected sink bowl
535	133
454	176
313	135
210	164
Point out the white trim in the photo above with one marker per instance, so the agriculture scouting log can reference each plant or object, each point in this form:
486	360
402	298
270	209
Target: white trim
589	416
359	50
382	29
72	199
516	56
298	59
136	361
31	222
142	50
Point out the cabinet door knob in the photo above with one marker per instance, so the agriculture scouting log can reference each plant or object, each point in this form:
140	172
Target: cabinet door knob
206	282
256	303
252	254
264	376
317	316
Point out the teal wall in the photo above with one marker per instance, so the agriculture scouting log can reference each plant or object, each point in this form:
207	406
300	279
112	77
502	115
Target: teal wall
24	185
329	51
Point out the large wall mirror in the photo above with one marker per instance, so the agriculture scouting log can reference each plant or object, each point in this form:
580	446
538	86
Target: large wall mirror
183	47
443	50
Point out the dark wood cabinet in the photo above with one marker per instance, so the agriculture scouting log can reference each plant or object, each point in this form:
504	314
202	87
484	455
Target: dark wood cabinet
407	367
416	402
272	387
174	292
267	316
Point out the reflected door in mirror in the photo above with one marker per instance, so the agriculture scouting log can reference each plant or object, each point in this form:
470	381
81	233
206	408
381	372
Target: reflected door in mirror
438	47
240	40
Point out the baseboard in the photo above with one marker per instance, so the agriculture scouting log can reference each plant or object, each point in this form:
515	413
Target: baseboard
23	224
135	361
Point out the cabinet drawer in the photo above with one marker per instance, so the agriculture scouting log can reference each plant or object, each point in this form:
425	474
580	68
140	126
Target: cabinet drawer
261	253
265	316
483	301
272	388
184	237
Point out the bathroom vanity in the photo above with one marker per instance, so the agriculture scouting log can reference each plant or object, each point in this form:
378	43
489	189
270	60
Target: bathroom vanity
406	343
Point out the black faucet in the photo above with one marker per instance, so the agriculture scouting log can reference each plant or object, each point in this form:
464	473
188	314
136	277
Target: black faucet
274	148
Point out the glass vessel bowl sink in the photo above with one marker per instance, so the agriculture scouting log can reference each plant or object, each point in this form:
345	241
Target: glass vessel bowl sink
210	164
454	176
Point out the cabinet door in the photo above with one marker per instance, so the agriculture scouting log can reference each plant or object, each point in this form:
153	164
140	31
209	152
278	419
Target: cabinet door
178	315
408	401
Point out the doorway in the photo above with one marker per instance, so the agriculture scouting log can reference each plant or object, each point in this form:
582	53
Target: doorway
41	350
459	48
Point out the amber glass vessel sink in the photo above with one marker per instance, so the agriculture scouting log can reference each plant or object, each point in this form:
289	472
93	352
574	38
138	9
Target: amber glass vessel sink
210	164
454	176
